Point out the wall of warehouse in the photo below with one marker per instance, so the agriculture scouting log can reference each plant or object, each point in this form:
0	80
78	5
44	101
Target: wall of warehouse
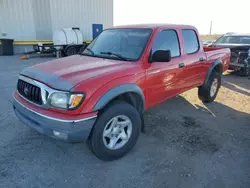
37	19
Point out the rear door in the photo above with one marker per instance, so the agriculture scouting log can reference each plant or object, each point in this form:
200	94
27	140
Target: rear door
195	59
162	78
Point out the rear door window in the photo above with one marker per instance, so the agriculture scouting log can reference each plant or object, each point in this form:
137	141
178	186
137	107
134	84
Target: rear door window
191	42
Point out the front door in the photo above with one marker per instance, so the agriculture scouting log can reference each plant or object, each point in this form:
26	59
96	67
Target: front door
162	78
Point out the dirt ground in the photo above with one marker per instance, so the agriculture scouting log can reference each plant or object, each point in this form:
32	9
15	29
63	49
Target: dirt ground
186	144
210	37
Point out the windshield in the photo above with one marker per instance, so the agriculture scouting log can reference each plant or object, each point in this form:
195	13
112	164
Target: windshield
121	43
234	40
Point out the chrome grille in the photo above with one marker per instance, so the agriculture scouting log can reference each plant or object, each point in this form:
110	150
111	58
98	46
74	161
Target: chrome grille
30	92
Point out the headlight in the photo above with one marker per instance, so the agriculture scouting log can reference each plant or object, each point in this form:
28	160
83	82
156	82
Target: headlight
65	100
59	100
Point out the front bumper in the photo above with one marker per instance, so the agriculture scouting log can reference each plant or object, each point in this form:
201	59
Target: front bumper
70	130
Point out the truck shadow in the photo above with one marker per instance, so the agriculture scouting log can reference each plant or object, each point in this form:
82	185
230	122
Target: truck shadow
193	128
237	83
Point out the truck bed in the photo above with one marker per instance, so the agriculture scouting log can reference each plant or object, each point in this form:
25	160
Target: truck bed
214	53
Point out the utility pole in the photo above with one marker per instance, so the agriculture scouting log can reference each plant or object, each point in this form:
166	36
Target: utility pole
210	31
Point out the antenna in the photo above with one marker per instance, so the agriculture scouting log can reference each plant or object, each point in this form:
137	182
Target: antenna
210	31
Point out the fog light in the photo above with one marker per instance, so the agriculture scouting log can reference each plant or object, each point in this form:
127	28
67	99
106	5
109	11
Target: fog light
60	135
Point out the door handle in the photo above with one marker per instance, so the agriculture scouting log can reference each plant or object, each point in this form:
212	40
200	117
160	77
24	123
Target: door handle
201	59
181	65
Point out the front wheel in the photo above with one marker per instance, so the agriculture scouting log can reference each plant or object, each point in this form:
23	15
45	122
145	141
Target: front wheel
116	131
245	71
208	92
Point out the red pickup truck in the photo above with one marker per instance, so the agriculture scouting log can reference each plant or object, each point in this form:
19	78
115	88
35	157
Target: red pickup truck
101	94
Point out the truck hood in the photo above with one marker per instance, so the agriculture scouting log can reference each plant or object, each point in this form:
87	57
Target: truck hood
65	73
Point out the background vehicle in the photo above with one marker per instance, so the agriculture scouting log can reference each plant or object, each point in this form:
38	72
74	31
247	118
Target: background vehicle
240	49
100	96
207	42
66	42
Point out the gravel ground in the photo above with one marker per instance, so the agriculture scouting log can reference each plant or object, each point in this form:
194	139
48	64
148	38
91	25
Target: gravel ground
186	144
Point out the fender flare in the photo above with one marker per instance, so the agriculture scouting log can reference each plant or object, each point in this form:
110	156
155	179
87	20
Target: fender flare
115	92
210	70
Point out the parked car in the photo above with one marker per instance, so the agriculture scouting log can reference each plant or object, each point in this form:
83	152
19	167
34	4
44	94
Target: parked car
240	49
208	42
100	96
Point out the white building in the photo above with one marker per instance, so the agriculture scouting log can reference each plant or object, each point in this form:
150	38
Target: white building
29	20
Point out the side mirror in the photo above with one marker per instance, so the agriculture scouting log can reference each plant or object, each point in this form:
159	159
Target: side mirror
161	56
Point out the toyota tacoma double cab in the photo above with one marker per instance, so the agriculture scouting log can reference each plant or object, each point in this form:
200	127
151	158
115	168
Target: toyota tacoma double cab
99	96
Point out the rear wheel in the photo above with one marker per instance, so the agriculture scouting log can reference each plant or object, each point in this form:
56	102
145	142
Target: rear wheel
208	92
116	131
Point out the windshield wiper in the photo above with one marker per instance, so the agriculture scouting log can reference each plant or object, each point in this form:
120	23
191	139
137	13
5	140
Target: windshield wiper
115	54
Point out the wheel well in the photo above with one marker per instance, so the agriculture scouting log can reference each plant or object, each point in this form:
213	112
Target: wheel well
131	98
218	68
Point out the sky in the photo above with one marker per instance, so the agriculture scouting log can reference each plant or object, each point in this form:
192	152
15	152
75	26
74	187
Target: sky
226	16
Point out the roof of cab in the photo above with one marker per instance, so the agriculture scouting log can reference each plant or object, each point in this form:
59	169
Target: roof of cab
154	26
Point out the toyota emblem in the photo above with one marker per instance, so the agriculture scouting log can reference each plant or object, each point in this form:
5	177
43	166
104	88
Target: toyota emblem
26	91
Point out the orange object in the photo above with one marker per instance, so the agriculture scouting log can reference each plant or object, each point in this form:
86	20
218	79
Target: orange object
24	57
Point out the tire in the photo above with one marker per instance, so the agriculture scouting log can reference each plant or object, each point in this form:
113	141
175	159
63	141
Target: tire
71	51
204	91
245	71
99	144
